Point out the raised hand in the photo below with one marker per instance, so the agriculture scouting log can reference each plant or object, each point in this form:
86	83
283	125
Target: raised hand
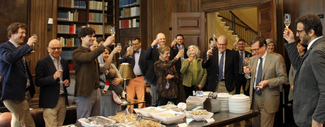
288	35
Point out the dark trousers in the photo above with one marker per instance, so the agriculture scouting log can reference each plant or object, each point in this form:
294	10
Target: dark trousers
242	82
189	91
164	101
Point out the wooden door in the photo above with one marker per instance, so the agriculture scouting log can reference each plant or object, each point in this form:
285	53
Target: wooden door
266	16
192	26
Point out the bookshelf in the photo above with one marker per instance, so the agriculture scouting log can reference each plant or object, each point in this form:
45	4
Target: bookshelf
72	15
132	21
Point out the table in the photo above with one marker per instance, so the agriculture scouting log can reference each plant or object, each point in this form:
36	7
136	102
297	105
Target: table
222	118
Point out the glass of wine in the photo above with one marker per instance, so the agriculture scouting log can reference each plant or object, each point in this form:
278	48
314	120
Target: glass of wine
61	69
33	51
214	37
131	48
211	46
246	66
287	20
119	44
113	34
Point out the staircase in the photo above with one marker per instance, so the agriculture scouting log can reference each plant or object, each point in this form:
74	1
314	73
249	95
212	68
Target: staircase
233	28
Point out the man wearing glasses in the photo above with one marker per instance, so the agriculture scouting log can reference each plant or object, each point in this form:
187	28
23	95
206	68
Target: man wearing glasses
309	87
223	68
267	71
52	76
139	64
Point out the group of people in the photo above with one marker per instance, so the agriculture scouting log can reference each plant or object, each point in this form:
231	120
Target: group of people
173	72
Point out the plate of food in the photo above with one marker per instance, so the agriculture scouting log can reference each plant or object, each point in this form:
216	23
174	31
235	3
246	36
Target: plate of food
199	115
169	116
147	111
96	121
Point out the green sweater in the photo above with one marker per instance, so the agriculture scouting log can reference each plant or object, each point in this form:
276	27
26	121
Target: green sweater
188	73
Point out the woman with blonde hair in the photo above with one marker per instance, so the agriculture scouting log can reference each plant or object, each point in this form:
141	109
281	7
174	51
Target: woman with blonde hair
167	77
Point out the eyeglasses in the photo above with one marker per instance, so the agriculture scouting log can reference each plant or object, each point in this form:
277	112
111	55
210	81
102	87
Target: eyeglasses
299	31
222	44
254	50
135	44
57	48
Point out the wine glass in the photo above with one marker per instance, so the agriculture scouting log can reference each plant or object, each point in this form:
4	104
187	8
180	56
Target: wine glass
175	44
61	69
287	19
113	34
246	66
214	37
211	47
131	48
119	44
33	51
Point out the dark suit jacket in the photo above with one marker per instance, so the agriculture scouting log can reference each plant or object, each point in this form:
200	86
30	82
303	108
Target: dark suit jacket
173	53
231	70
50	88
13	79
241	77
87	70
309	84
151	54
143	63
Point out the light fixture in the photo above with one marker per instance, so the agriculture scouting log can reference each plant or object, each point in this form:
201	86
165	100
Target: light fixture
49	24
126	72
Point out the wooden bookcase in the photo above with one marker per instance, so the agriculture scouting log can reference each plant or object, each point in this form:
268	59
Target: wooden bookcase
131	21
72	15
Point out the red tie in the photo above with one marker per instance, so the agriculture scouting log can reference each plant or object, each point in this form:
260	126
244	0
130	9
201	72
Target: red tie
107	82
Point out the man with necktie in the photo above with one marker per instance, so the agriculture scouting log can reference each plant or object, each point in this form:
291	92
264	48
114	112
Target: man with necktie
267	73
223	68
139	64
16	81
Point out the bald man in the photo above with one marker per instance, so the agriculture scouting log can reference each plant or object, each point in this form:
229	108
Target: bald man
153	55
52	76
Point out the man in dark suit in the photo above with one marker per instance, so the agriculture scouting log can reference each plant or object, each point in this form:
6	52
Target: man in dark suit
267	71
52	76
223	68
16	80
136	57
86	65
152	54
309	87
242	54
213	42
174	48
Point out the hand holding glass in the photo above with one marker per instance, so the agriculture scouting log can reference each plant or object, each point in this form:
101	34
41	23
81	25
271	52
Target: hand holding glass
60	69
246	67
33	51
131	48
113	34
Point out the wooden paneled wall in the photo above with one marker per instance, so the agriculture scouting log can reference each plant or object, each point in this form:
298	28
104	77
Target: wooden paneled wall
160	16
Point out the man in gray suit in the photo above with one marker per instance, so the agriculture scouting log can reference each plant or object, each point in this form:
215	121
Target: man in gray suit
267	74
309	87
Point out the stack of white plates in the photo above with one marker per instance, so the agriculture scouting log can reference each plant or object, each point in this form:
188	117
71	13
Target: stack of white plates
239	103
224	97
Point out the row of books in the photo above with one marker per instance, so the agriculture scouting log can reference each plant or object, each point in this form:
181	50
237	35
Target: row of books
97	5
68	29
125	3
68	16
72	4
99	28
96	17
69	42
67	54
129	23
130	12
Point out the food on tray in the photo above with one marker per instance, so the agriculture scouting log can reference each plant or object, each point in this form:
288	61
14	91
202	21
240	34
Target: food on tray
167	115
150	110
169	107
124	118
200	112
146	123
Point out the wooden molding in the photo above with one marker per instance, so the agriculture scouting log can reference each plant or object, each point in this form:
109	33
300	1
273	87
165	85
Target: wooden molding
217	5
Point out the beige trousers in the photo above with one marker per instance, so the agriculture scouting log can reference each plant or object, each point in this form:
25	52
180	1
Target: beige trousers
221	88
265	119
137	87
54	117
21	116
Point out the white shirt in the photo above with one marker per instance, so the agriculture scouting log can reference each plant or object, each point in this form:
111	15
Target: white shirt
257	65
57	67
137	69
312	42
224	62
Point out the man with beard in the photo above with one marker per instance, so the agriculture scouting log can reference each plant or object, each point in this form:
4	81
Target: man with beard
309	91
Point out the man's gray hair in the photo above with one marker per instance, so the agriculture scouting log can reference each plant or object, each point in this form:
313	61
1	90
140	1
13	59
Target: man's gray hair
223	37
